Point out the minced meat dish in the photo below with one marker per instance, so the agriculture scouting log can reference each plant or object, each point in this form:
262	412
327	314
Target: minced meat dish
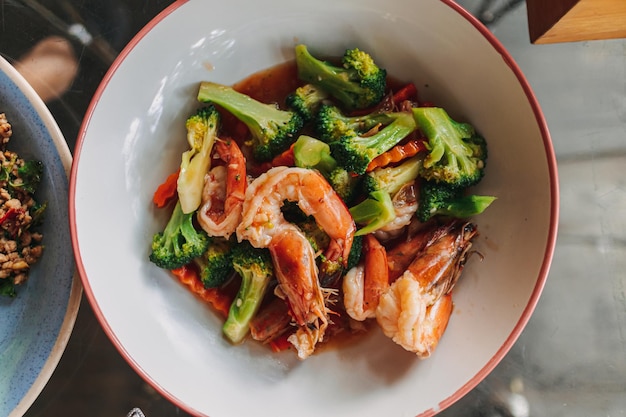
20	243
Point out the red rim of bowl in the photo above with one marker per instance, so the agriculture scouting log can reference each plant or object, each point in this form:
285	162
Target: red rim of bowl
548	253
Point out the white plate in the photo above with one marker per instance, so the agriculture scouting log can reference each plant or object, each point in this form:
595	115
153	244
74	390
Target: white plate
36	325
132	139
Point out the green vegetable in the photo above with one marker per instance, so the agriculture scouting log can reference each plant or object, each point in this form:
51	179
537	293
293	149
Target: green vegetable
273	130
179	243
313	153
37	214
382	184
373	213
215	264
354	153
359	83
29	176
306	100
309	152
457	155
256	270
390	179
7	288
437	198
202	128
331	124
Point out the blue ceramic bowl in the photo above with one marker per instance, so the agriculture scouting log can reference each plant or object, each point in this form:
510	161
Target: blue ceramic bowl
35	325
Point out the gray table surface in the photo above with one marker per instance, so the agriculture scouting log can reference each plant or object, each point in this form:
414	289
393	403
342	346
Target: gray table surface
571	358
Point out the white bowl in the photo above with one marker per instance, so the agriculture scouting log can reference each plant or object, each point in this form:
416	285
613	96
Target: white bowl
35	326
133	136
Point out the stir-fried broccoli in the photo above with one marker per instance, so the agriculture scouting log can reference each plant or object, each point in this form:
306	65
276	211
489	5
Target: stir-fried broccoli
356	252
358	84
331	124
273	129
390	179
215	264
179	243
441	199
306	100
381	185
255	267
346	185
373	213
354	153
202	128
457	155
310	152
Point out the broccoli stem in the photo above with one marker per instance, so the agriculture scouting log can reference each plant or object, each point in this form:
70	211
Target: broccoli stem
245	305
374	212
313	153
273	130
466	206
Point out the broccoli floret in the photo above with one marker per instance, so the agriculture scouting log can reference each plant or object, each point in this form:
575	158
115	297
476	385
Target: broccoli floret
373	213
359	83
215	264
310	152
437	198
354	153
346	185
255	267
456	154
202	128
273	130
179	243
382	184
306	100
331	124
392	178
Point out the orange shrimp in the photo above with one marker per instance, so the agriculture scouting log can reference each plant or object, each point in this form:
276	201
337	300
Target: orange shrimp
415	310
264	226
364	284
224	191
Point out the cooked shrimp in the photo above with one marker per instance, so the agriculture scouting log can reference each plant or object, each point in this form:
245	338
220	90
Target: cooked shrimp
224	191
415	310
264	226
364	284
296	272
262	217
